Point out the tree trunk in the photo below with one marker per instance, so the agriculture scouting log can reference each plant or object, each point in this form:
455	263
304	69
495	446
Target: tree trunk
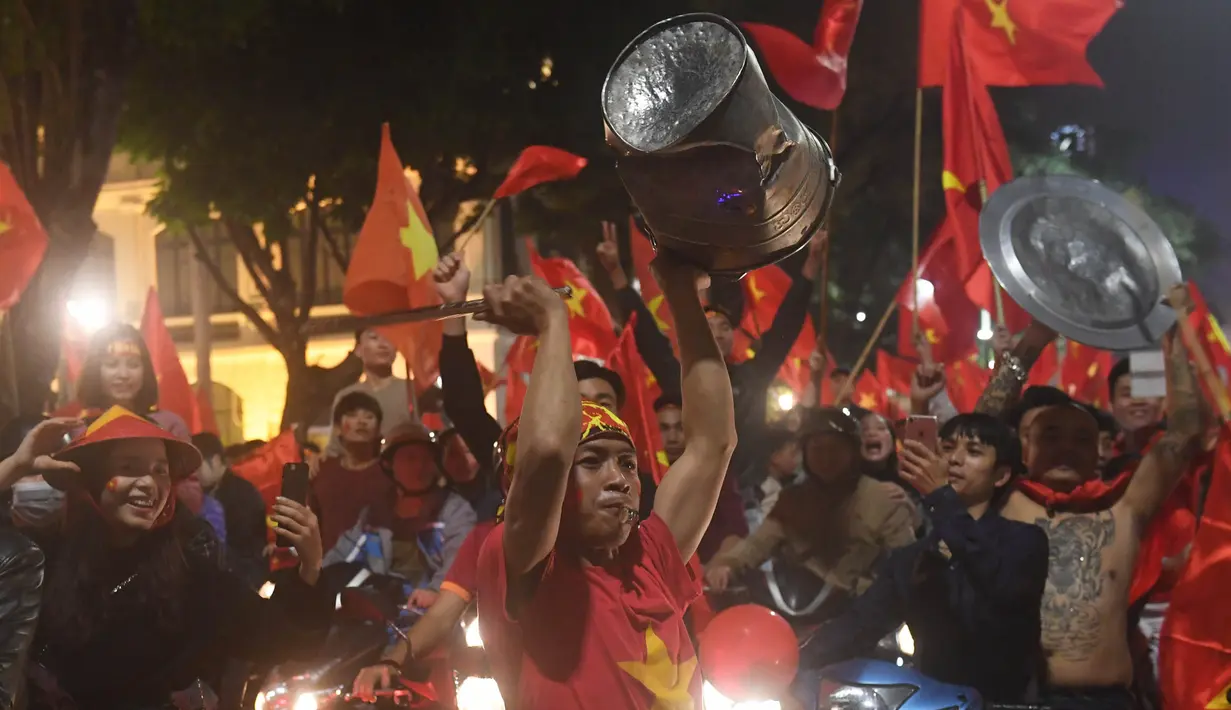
310	389
38	320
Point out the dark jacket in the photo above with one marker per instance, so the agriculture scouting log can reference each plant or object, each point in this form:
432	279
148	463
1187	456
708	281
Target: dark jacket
974	616
131	662
247	533
749	382
21	581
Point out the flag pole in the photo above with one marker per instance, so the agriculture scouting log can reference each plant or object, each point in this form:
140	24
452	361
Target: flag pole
867	350
478	224
996	295
914	224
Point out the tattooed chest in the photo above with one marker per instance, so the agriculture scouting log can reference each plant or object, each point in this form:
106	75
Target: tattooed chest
1080	576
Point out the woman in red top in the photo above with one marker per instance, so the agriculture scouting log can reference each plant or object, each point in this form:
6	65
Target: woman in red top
579	606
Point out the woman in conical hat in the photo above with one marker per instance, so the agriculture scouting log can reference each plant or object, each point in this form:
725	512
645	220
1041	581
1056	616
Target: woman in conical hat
136	609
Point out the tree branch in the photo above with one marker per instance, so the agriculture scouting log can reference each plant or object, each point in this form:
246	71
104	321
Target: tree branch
250	251
267	332
308	249
335	249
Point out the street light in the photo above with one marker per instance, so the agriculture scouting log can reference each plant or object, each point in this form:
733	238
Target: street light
90	313
985	326
861	316
924	290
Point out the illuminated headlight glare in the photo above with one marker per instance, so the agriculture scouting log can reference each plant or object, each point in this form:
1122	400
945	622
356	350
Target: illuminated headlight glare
259	703
267	590
850	697
306	701
473	639
906	642
711	699
479	694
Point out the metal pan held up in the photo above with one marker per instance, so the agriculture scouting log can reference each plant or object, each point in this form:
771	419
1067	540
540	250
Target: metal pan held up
1081	259
723	174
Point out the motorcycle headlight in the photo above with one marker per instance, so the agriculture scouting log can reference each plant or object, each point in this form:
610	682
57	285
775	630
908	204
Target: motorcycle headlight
267	590
906	642
473	639
711	699
479	694
843	696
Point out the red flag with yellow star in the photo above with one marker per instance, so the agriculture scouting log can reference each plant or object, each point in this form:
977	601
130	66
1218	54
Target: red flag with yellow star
1194	654
814	74
965	380
638	411
23	241
1014	43
590	324
895	373
518	363
651	292
869	394
539	164
174	393
391	265
1083	373
764	291
1211	338
947	318
1045	368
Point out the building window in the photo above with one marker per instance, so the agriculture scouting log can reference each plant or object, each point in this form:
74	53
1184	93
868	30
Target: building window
175	255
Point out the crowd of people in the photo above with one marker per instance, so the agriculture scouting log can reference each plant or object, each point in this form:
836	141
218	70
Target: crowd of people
132	555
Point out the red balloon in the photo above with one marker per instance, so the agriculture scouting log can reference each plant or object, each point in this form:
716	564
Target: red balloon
749	653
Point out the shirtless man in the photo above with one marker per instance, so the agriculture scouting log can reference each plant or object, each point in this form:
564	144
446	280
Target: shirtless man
1094	539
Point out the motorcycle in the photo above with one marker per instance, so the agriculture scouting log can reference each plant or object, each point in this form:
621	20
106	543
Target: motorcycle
370	611
880	685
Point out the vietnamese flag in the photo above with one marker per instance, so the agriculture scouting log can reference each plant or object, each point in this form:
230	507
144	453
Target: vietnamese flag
895	373
391	265
638	411
870	394
23	241
965	381
518	364
1083	373
174	393
651	292
764	290
1195	645
1041	42
590	324
1045	368
813	75
1212	341
947	318
538	164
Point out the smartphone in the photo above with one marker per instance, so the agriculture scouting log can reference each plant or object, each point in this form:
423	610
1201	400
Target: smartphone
295	479
922	429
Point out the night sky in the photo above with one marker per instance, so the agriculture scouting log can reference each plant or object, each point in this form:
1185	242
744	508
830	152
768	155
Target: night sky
1165	63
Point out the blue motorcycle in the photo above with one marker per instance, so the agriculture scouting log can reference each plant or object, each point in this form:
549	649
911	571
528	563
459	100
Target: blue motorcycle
879	685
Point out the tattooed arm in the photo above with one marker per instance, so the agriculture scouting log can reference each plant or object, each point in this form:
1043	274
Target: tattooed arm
1002	392
1169	458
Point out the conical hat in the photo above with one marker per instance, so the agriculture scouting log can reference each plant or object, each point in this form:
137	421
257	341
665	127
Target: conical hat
116	424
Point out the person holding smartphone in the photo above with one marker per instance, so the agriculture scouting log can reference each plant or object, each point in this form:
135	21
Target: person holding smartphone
970	590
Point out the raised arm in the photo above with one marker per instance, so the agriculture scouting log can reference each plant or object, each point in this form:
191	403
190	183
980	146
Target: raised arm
780	337
1005	386
547	439
689	490
1169	458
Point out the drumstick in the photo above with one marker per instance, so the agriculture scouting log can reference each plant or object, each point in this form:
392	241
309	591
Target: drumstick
351	322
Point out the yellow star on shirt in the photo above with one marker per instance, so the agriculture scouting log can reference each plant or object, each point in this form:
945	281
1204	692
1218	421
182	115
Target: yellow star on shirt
1221	700
4	227
1001	19
666	680
416	237
950	181
574	301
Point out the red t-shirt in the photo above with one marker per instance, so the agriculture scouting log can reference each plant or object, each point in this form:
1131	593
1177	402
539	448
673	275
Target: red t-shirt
340	494
595	638
461	578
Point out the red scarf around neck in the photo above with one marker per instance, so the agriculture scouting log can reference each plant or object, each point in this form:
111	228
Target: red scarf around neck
1092	495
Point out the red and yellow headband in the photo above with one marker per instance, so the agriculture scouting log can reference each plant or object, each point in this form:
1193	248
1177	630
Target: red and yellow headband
596	420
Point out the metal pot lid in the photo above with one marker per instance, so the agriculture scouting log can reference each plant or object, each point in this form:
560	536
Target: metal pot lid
1081	259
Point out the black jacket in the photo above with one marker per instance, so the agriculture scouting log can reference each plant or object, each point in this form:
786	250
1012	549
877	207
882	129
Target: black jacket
246	531
974	617
21	582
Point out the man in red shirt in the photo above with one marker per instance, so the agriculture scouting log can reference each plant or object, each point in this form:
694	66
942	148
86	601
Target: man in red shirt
579	606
